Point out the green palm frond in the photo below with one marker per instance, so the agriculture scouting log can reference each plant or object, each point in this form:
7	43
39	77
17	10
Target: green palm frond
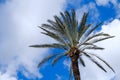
58	57
93	29
68	28
59	23
82	61
48	26
85	29
94	61
74	25
85	44
46	59
57	28
65	16
97	35
104	62
53	35
83	21
93	47
54	45
101	39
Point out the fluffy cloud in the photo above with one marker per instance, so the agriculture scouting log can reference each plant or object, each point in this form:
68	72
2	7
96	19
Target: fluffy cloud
110	54
18	29
106	2
91	8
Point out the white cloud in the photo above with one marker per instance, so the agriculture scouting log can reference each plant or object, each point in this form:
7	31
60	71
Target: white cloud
6	76
93	11
115	5
18	29
106	2
110	54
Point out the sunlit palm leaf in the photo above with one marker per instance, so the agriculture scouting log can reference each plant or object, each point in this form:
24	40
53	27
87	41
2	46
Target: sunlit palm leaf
93	47
97	35
104	62
67	27
58	57
101	39
53	23
85	44
93	29
57	28
74	25
59	23
46	59
83	31
52	28
93	60
83	21
54	45
48	26
53	35
82	61
69	21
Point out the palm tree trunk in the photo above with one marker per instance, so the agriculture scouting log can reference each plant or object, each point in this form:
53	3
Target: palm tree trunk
75	68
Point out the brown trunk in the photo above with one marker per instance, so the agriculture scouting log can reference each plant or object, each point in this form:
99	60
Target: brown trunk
75	67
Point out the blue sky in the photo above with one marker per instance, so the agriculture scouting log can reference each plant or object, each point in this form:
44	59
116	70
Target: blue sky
18	29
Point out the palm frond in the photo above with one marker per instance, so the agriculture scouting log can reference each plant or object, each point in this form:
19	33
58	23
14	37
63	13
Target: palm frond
93	29
104	62
82	27
74	25
85	44
53	23
101	39
82	61
67	27
59	23
58	57
54	45
94	61
85	29
48	26
93	47
57	27
83	21
97	35
53	35
46	59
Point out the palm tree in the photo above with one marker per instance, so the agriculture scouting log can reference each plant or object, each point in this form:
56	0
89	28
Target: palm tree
75	38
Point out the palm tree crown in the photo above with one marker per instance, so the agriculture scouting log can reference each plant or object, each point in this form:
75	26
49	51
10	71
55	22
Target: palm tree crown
75	38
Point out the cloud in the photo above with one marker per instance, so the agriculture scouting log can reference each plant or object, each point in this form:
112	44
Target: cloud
106	2
110	54
18	29
91	8
6	77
